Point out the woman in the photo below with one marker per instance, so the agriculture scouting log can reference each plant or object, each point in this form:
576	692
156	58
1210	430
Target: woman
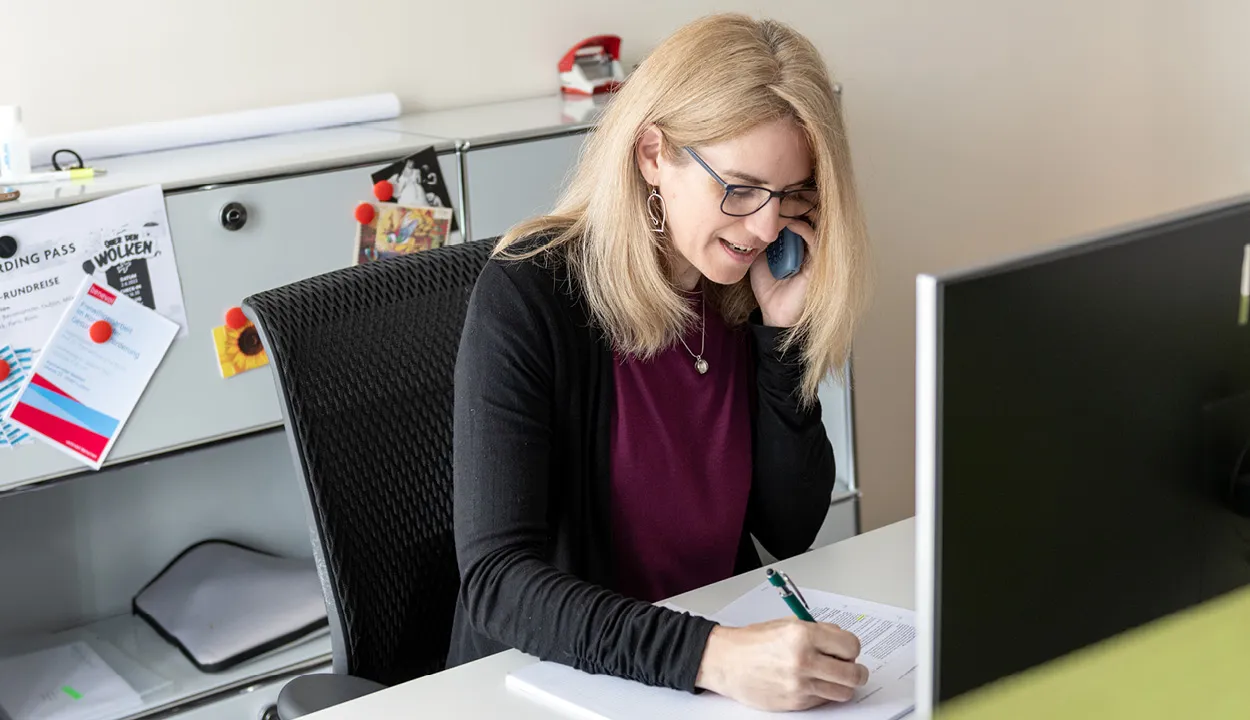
636	393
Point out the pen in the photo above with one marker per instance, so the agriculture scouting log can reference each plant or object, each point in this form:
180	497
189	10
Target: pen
57	176
790	593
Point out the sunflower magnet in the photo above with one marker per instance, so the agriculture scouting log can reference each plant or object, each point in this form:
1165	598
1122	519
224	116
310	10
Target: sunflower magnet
238	345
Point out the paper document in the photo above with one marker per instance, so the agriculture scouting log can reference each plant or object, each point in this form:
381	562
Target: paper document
66	682
82	388
887	640
888	650
122	241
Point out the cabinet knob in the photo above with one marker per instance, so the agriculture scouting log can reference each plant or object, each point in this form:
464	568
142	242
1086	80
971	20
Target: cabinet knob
233	216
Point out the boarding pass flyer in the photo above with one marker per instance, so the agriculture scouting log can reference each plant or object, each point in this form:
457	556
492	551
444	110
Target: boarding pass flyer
121	241
92	371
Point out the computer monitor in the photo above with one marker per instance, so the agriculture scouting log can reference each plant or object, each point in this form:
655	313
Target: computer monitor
1082	421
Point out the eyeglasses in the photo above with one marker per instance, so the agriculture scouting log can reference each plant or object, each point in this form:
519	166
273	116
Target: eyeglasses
743	200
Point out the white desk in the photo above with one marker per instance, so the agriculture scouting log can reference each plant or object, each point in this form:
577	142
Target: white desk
876	566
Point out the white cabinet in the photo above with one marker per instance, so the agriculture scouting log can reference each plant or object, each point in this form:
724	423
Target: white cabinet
105	536
110	532
296	227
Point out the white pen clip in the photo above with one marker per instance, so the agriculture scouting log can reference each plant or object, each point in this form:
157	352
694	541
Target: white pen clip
794	589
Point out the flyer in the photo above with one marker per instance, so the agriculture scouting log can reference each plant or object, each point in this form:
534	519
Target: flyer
122	241
92	371
399	230
418	182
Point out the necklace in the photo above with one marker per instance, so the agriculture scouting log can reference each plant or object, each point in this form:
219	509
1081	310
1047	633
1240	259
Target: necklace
700	365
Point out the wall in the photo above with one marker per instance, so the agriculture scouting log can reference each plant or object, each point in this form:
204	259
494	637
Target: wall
979	128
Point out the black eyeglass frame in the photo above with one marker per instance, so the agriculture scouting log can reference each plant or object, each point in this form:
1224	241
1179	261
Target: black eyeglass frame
780	195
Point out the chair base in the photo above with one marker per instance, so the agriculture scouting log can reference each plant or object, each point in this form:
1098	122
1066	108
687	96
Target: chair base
309	693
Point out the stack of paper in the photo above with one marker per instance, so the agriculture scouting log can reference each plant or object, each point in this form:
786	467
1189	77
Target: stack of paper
887	648
18	361
66	682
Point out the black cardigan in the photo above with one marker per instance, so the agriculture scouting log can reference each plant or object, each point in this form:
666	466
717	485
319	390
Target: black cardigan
533	405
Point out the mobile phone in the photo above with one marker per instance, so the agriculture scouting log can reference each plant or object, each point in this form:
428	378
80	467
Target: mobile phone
9	193
785	254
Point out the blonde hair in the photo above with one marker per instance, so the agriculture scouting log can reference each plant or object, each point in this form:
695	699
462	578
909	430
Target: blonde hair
711	81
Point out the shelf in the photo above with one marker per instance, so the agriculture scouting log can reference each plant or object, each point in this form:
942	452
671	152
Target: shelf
162	675
493	123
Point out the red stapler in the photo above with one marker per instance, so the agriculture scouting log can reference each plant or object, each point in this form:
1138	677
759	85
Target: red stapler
592	66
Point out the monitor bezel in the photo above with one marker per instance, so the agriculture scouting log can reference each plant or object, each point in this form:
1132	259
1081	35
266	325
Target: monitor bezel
930	289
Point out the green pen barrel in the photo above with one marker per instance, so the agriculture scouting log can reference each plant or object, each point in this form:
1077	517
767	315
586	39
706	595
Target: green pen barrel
797	607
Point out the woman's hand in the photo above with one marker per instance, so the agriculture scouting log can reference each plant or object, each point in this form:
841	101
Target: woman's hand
781	301
782	665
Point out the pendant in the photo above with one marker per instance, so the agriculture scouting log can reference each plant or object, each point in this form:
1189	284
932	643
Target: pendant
700	365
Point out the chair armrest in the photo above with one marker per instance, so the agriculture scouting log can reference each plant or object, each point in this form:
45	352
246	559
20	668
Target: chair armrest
307	694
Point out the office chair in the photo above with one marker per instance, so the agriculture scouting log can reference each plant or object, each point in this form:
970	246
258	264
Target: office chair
363	359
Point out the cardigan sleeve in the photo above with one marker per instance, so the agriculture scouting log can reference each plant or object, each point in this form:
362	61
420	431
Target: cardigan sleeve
504	460
794	469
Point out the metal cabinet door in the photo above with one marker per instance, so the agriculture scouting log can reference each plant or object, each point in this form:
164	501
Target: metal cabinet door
838	416
296	228
510	183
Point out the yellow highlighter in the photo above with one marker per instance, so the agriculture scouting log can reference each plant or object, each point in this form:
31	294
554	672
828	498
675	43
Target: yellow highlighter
77	174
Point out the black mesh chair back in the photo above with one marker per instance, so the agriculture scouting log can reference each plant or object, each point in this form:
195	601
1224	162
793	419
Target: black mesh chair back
364	360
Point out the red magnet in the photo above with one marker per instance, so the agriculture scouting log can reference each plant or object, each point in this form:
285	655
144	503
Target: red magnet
235	319
100	331
4	370
364	213
384	191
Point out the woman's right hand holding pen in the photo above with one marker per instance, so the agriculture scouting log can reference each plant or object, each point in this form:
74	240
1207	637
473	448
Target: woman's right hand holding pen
782	665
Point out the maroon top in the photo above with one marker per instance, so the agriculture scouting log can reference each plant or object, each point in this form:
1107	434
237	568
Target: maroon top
681	464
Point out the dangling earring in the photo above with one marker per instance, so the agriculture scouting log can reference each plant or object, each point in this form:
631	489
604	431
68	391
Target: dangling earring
657	211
